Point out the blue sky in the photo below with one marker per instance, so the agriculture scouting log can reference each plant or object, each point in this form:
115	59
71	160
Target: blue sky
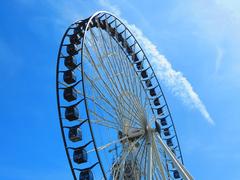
199	38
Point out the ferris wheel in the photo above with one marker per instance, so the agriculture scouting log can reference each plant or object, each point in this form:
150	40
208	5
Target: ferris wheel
114	118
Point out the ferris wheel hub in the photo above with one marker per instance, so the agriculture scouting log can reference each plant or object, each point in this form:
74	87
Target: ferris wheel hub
132	135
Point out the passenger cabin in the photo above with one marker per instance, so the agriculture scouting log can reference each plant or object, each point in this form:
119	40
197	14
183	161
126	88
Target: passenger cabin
71	113
75	134
159	111
80	156
74	39
163	122
80	32
119	37
129	49
112	31
156	102
80	29
70	62
69	77
93	23
134	57
103	24
169	142
70	94
139	66
166	132
158	128
148	83
152	92
86	175
176	174
144	74
72	49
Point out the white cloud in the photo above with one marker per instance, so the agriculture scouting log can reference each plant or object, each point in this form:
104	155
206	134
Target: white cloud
173	79
218	21
112	8
215	24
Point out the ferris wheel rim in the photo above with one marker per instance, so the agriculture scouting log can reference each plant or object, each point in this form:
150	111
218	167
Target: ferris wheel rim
86	29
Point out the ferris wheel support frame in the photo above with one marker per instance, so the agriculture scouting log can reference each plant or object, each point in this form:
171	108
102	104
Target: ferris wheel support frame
149	144
182	169
167	150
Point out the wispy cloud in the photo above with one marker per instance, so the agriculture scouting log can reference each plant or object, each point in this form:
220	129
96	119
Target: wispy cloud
109	6
173	79
217	23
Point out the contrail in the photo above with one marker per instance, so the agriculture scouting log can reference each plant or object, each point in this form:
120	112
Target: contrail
174	80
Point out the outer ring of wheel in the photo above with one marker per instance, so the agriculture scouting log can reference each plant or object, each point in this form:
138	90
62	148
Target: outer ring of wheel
87	23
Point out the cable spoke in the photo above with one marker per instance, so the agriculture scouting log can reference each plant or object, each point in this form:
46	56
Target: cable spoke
124	156
103	97
108	145
112	94
107	72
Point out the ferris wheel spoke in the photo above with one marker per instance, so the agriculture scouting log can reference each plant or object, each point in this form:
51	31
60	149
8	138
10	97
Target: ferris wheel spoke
97	50
129	112
104	120
107	123
124	156
140	149
102	123
108	88
113	62
100	93
175	161
129	95
123	115
111	90
141	156
90	58
156	171
106	111
137	87
104	97
146	102
103	147
132	75
164	157
129	76
145	161
121	62
158	159
117	119
129	72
